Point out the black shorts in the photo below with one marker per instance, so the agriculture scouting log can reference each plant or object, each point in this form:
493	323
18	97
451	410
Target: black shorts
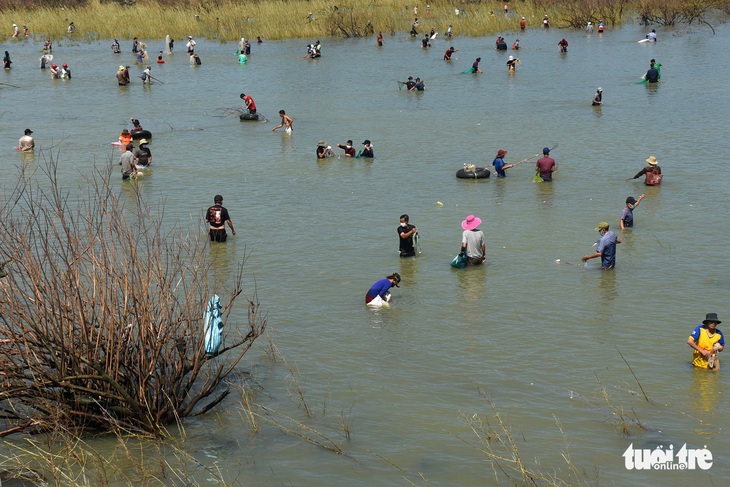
218	235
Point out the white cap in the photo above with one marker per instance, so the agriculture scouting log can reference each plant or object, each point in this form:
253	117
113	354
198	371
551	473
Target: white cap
510	58
599	89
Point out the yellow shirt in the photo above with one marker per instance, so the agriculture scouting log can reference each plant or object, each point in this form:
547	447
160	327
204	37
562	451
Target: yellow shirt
702	338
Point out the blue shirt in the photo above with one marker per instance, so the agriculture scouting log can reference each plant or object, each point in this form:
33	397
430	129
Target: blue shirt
380	288
498	165
607	248
628	217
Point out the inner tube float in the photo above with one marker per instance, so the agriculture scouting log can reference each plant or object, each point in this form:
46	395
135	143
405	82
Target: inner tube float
256	117
141	134
477	173
502	46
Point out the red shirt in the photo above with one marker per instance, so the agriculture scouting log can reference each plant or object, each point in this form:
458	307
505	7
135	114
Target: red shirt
249	103
545	165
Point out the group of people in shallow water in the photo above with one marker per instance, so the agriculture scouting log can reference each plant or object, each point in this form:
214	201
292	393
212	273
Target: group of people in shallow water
314	50
324	150
63	72
133	160
473	247
706	340
413	84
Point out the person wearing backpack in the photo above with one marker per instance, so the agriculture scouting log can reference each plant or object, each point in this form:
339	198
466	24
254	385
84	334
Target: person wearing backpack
653	173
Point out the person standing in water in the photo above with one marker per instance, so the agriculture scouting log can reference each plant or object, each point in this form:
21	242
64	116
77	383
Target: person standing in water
143	154
146	76
606	249
627	215
137	125
472	241
26	142
348	148
323	150
598	97
406	231
366	151
120	76
419	86
286	122
249	104
653	173
546	165
499	164
125	138
126	160
653	75
449	52
706	341
217	216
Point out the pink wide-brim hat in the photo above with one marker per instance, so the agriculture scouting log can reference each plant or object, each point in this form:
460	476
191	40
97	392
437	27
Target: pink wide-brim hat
471	222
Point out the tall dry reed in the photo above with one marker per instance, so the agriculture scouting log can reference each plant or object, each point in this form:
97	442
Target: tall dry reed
229	20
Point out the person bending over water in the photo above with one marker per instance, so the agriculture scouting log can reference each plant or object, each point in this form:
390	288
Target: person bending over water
286	122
